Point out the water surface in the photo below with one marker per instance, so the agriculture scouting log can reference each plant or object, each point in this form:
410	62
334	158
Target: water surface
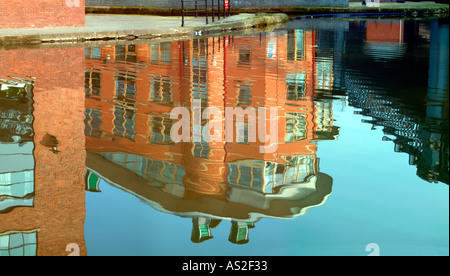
361	153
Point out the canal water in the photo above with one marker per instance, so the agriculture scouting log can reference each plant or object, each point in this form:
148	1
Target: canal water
354	159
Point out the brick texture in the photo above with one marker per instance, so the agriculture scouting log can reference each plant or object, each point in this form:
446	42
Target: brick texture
58	95
18	14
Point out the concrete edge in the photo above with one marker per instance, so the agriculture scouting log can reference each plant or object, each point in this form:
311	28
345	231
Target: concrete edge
253	21
299	10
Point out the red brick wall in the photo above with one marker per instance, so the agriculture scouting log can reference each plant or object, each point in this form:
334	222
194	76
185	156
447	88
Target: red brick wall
17	14
59	203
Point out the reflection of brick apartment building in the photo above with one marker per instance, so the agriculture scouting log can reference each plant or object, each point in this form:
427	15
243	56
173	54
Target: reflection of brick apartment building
131	91
18	14
42	151
385	31
385	39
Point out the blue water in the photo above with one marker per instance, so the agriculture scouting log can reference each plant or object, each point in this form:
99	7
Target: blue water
365	113
377	195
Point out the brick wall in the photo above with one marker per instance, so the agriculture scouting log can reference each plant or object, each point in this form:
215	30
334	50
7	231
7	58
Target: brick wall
16	14
58	95
234	3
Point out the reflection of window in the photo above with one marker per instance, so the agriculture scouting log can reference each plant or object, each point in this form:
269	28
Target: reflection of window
244	95
159	172
18	244
200	62
161	52
296	170
16	111
295	127
296	86
201	148
161	89
126	53
266	177
16	145
160	128
244	57
247	174
323	116
296	45
324	74
17	188
93	122
92	52
92	83
124	122
125	88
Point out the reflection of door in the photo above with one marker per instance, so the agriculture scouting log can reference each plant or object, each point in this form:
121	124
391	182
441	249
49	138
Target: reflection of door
16	145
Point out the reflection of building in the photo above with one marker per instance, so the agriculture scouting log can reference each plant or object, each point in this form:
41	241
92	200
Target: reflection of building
128	126
42	175
385	39
413	117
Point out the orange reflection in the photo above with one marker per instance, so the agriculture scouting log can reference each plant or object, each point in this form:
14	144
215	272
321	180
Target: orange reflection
51	215
132	89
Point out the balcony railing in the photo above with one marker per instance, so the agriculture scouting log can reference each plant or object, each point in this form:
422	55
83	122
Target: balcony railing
211	9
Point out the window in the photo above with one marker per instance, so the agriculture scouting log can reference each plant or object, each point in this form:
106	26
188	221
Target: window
247	174
92	52
16	145
160	130
92	84
201	149
244	95
125	88
244	57
124	122
323	116
93	122
157	171
126	53
296	45
295	127
266	177
161	52
296	86
324	74
18	244
161	89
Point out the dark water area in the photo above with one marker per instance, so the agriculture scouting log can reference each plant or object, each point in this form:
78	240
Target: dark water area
129	150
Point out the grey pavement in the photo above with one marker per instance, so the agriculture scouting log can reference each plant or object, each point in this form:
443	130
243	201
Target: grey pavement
109	23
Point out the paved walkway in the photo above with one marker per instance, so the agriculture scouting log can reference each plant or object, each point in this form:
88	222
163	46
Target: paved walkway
98	27
112	23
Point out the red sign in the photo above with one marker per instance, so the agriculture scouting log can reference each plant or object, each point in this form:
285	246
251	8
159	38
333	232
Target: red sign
227	4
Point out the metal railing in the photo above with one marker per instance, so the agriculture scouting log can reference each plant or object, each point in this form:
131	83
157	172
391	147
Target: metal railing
216	8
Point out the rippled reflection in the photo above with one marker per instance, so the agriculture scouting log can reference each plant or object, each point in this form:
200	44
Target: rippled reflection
103	114
128	126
